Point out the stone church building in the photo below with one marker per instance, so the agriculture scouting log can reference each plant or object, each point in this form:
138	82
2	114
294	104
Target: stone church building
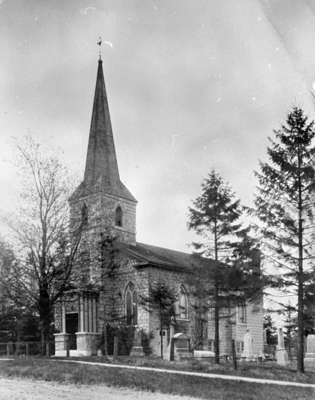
108	208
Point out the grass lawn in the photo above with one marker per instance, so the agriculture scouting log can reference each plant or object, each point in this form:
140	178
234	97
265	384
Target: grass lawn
266	370
214	389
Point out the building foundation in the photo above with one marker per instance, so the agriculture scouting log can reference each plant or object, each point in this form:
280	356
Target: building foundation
87	344
61	344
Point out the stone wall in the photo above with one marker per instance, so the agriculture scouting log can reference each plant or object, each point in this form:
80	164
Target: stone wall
174	280
112	296
112	299
225	331
101	216
100	209
255	324
236	330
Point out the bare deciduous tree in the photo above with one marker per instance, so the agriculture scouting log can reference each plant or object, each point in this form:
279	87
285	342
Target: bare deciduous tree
45	247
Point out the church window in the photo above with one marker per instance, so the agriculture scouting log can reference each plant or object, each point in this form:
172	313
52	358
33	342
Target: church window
84	214
131	305
239	347
183	304
241	313
118	216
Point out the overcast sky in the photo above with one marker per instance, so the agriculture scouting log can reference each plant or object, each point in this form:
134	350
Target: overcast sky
192	85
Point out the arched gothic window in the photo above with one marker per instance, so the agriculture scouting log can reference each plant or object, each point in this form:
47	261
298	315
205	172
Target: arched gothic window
183	303
118	216
131	305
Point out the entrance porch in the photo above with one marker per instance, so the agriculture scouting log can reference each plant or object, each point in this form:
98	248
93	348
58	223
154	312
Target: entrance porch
76	317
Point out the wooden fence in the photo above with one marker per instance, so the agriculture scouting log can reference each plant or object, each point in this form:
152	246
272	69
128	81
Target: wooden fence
26	348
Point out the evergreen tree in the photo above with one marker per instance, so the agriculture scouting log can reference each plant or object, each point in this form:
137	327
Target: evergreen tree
215	216
245	273
270	329
283	206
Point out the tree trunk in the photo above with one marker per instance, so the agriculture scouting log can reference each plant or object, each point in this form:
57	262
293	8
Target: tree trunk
45	317
161	333
216	305
234	355
300	355
115	352
105	340
216	325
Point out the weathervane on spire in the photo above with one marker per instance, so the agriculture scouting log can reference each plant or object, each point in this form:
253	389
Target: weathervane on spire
99	43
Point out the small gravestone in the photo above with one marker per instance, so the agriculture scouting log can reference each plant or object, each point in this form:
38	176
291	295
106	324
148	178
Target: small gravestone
281	353
309	360
137	349
203	354
248	352
181	347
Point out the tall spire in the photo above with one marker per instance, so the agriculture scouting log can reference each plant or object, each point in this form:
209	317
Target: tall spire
101	168
101	162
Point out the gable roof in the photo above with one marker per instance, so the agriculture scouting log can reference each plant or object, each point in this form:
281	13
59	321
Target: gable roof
163	258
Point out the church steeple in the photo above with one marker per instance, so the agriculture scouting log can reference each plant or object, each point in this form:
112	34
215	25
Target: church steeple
101	161
101	168
103	200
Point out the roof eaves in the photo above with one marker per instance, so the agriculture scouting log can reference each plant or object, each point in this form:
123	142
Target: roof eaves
169	267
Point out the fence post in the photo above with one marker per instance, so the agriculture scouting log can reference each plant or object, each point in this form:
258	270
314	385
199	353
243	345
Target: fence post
115	352
8	349
27	349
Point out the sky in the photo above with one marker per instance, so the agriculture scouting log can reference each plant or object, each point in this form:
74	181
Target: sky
192	85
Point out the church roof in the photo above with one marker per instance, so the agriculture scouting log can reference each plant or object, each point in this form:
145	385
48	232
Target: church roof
161	257
101	168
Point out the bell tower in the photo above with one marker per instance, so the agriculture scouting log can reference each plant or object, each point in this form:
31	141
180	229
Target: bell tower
105	202
105	205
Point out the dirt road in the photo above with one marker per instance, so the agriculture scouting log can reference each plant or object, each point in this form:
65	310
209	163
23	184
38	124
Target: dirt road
23	389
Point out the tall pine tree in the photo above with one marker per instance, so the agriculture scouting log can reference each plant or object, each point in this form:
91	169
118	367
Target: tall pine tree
283	205
215	216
